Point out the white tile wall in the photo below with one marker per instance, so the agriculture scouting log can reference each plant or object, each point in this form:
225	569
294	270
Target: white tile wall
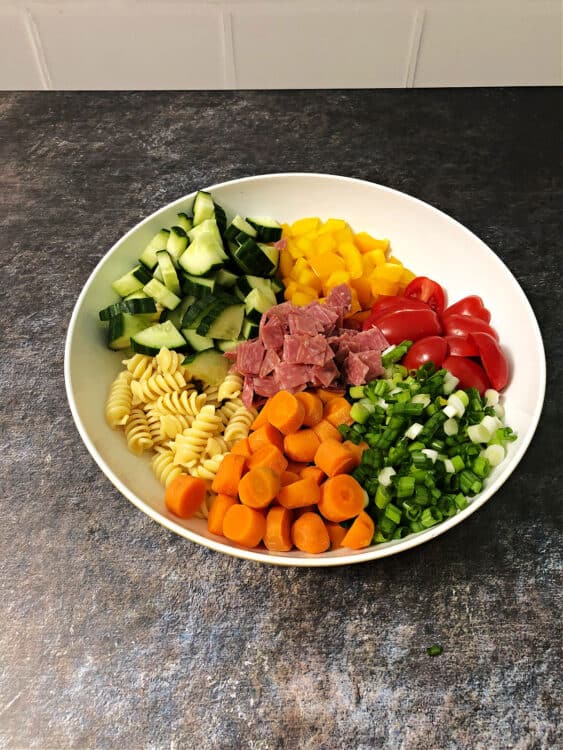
214	44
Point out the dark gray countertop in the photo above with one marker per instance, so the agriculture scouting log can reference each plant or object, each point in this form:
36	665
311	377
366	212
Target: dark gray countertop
114	632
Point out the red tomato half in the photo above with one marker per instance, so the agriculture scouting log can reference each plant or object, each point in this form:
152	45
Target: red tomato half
409	324
424	289
469	373
387	305
472	305
493	359
429	349
463	325
461	346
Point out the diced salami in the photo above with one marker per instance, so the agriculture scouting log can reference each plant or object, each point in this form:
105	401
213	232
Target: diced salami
272	333
355	370
324	376
249	357
265	387
247	392
306	350
269	363
292	376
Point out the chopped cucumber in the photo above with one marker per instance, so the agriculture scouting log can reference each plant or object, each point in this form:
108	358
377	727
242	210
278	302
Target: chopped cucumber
209	366
247	283
223	320
268	229
158	242
177	242
199	286
250	329
160	293
225	278
227	345
198	343
238	227
184	222
132	281
123	326
195	312
257	303
153	339
166	268
133	306
205	252
205	208
176	315
273	255
252	259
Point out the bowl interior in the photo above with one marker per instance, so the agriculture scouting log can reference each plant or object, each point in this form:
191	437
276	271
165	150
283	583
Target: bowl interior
424	239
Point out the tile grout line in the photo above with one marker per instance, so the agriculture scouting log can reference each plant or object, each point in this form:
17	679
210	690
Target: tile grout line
229	67
38	51
414	51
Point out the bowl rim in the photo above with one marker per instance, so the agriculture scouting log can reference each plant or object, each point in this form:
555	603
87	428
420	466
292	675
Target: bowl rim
304	560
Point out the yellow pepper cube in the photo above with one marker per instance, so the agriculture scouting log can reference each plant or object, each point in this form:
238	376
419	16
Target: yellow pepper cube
309	278
389	272
304	244
294	250
286	231
290	290
365	242
332	225
286	262
355	306
301	264
324	243
325	265
406	278
304	226
344	235
384	286
335	279
362	287
302	298
352	258
394	260
373	259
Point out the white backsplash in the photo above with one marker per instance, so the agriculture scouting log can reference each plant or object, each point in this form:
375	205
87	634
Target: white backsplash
277	44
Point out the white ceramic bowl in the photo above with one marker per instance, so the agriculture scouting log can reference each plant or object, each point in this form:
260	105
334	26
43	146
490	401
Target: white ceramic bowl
426	240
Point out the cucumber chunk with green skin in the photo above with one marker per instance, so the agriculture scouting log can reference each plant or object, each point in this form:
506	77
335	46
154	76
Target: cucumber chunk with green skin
198	286
257	303
184	221
123	326
239	227
161	294
176	315
205	208
158	242
223	320
195	312
247	283
210	366
273	254
132	281
268	230
152	340
225	279
198	343
133	306
204	254
177	243
227	346
252	259
277	285
250	329
169	275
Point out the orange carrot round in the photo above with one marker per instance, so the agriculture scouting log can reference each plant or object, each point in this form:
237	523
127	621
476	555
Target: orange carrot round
244	525
229	474
324	430
341	498
265	435
301	445
268	455
285	412
278	529
336	533
313	408
217	512
360	533
337	411
355	450
309	534
184	495
259	487
300	493
242	448
313	472
305	509
334	459
288	477
261	418
326	396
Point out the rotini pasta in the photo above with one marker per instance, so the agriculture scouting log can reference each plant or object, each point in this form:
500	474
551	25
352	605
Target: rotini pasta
137	432
211	393
190	444
230	388
172	424
157	385
188	402
169	362
141	366
215	446
208	467
164	467
118	404
154	421
239	424
228	408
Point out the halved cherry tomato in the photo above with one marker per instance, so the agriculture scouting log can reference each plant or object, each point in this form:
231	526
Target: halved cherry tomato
461	346
429	349
472	305
385	305
424	289
469	373
399	325
463	325
493	358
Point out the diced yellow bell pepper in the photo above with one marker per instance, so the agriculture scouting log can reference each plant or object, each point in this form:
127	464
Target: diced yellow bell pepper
324	265
406	278
332	225
304	226
302	298
309	278
305	244
335	279
384	286
373	259
290	290
324	243
352	258
301	264
294	250
343	235
363	290
355	305
365	242
286	231
388	271
286	262
394	260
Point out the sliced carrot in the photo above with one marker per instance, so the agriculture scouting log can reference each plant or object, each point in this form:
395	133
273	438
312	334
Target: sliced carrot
333	458
305	509
342	498
309	534
313	472
244	525
355	450
270	456
326	396
296	467
324	430
217	512
313	408
261	418
337	411
360	533
336	533
285	412
259	487
265	435
301	445
288	477
242	448
278	529
229	474
300	493
184	495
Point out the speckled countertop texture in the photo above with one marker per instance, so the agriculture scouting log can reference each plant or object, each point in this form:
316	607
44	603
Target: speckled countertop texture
114	633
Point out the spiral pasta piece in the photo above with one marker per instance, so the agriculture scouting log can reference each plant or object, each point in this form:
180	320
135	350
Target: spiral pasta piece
215	446
207	469
157	385
164	467
137	432
154	421
211	393
189	445
228	408
168	361
239	424
230	388
188	402
118	404
172	424
141	366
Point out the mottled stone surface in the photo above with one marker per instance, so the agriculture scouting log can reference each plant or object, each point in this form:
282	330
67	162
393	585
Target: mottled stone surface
117	634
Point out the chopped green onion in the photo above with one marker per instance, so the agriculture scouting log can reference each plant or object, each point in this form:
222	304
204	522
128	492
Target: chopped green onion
393	513
430	517
401	532
414	430
395	354
356	391
416	526
382	497
491	397
385	475
405	486
458	463
494	454
450	383
380	538
451	426
359	413
412	512
469	483
461	501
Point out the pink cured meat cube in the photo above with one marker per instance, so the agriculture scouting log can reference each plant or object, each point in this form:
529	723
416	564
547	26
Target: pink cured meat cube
269	363
306	350
291	377
249	357
266	386
272	333
248	392
324	376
